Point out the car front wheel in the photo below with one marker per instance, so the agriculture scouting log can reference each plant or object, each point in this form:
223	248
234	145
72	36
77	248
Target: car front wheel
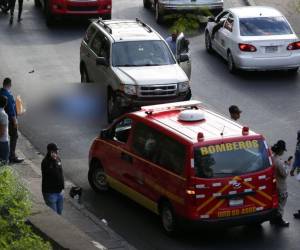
97	178
112	106
84	76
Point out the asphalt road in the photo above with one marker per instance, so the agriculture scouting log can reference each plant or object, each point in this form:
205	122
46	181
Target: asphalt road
43	64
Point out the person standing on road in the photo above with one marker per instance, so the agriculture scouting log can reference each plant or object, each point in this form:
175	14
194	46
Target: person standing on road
171	41
281	173
12	120
53	179
235	112
4	145
12	4
296	165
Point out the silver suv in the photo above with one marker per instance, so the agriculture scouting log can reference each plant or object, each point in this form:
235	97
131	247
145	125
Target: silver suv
163	7
135	65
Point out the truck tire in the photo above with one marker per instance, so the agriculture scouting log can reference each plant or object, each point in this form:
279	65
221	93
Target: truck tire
97	178
37	3
168	218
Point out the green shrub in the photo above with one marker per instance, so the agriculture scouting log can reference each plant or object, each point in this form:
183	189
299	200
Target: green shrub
15	207
188	22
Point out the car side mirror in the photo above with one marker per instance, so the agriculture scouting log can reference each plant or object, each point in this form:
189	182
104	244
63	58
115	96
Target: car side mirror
184	57
101	61
211	19
105	134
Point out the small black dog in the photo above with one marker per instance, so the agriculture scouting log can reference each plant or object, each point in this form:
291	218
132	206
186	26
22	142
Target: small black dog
76	193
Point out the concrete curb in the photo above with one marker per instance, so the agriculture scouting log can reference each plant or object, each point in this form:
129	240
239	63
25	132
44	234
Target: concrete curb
77	228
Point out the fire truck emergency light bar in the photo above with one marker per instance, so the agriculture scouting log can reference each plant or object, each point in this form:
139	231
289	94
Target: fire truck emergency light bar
170	106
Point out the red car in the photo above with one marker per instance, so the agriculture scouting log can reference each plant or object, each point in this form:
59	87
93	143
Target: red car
56	8
186	164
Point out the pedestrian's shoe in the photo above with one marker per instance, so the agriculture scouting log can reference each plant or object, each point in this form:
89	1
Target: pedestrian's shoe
11	20
282	223
16	160
297	215
20	19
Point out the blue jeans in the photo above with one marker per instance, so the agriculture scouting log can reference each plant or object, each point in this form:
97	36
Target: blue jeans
4	151
54	201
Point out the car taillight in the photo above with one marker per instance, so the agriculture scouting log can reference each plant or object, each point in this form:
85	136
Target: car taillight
247	47
293	46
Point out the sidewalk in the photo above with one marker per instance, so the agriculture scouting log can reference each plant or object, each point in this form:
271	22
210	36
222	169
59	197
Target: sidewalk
289	8
77	228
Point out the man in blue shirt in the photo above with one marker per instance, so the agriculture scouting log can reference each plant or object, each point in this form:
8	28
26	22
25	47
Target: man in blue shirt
171	41
12	120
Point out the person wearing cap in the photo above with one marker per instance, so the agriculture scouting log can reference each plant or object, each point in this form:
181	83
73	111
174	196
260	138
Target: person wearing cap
53	179
281	173
234	112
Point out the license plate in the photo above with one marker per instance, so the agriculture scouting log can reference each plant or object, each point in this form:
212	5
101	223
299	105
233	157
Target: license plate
236	202
271	49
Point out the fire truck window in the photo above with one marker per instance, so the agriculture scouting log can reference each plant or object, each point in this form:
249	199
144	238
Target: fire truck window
159	148
145	141
122	130
231	158
171	155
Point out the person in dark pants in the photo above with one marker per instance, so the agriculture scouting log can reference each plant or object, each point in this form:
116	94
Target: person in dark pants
12	120
53	179
12	9
4	145
281	173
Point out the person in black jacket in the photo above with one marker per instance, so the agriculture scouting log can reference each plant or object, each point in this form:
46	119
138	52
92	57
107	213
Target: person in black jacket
53	179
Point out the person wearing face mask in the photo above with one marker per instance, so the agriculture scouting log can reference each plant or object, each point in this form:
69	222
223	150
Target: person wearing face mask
281	173
11	111
53	179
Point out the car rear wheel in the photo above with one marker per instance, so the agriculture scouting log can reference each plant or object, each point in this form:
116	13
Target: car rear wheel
158	14
208	43
168	218
230	63
97	178
84	76
147	4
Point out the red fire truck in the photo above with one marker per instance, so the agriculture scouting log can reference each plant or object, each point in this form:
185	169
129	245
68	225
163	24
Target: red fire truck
186	163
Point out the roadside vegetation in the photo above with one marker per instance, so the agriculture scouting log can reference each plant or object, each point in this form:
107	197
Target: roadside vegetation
15	207
188	23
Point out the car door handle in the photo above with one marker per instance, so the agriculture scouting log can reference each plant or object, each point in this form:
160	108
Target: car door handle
126	157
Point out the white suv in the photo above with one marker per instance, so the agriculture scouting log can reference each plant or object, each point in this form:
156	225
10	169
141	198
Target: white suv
134	63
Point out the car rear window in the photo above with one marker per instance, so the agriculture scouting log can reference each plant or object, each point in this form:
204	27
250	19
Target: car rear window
230	159
264	26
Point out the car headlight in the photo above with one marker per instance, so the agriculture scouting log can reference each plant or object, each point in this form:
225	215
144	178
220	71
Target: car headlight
183	86
129	89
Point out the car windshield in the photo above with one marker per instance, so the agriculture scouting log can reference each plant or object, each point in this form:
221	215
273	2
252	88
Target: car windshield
230	159
264	26
141	53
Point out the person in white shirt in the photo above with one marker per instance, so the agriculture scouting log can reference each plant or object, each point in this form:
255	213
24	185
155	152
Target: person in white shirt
4	145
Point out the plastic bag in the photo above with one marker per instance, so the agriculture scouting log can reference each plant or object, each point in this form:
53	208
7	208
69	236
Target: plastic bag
20	106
